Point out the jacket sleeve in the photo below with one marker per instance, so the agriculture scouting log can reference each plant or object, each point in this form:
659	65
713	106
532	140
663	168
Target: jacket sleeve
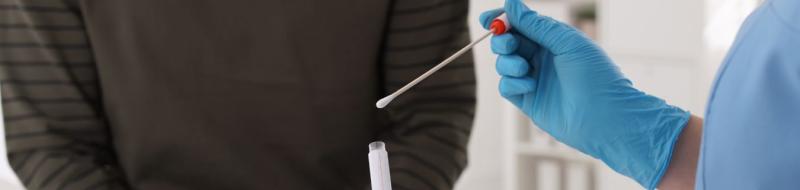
56	133
430	124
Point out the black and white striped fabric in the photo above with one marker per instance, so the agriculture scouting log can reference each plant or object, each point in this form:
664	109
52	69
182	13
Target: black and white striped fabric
58	131
55	129
427	151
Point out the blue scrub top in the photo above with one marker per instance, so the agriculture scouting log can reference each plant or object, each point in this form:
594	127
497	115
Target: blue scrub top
751	138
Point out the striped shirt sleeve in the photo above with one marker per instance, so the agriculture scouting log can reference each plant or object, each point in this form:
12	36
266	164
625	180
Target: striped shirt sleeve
431	123
56	133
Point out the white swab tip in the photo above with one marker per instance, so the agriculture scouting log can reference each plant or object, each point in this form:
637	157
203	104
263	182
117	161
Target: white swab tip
384	101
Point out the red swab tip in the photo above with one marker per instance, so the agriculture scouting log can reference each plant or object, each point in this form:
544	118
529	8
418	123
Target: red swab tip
498	26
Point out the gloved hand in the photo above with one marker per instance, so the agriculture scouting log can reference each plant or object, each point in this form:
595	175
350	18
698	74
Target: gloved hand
573	91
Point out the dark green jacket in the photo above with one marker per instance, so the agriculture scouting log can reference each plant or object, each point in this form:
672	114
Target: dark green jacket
232	94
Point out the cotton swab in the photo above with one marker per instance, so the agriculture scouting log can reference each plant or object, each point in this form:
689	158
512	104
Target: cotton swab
499	26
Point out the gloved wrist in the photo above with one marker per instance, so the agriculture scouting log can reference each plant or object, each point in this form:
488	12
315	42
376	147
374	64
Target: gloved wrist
646	159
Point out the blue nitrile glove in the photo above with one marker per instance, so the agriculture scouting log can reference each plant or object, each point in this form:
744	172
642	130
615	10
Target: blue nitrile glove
572	90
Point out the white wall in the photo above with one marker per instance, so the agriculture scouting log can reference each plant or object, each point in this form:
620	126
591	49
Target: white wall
485	148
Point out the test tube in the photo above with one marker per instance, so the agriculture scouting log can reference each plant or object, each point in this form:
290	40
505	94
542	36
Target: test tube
379	166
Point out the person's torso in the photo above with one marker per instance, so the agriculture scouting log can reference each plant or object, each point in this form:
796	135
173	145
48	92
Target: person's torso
751	138
209	94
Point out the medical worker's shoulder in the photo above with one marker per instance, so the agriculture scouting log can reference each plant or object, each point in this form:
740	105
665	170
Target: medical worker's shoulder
779	28
754	105
787	12
781	33
771	35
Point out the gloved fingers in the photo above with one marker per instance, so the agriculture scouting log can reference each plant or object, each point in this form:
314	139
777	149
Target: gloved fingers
537	58
512	66
517	100
526	47
504	44
487	17
558	37
515	86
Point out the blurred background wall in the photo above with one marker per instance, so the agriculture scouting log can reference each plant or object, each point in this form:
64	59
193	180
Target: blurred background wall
668	48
